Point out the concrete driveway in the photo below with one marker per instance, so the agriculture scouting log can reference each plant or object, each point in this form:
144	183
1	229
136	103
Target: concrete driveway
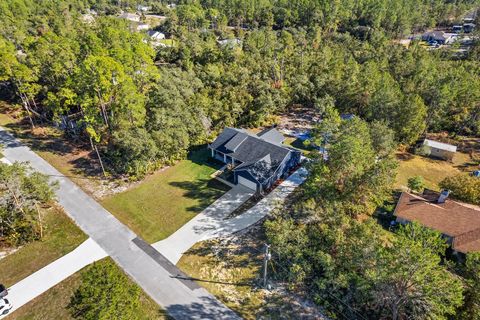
203	225
211	223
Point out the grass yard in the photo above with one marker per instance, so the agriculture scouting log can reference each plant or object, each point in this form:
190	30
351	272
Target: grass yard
61	236
163	202
298	144
53	303
433	171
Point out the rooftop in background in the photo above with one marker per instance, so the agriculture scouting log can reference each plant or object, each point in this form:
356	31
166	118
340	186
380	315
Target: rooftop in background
271	135
130	16
440	145
457	220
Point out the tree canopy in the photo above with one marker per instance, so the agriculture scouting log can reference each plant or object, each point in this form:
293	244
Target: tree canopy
102	82
22	194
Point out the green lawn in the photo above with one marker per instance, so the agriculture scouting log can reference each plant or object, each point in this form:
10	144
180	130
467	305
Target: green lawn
61	236
163	202
53	303
433	171
297	144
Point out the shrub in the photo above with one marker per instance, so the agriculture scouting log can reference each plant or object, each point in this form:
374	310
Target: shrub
463	187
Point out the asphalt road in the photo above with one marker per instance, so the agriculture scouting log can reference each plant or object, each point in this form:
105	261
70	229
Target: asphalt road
161	280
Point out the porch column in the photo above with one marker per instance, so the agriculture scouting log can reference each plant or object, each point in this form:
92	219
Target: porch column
224	158
213	153
233	161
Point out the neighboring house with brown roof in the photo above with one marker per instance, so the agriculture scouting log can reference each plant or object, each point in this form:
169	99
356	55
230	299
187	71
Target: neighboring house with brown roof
458	222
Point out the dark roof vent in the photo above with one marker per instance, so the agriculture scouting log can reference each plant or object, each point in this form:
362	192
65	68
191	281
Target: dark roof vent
443	196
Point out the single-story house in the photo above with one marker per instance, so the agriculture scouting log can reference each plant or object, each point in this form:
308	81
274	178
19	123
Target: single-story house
156	35
259	160
440	37
458	222
437	149
230	43
130	16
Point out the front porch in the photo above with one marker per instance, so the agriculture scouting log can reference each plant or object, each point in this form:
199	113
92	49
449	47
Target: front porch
224	158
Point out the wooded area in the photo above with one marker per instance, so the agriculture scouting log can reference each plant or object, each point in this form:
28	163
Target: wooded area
144	108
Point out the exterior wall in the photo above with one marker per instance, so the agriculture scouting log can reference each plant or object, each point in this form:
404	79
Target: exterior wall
218	155
245	175
291	161
442	154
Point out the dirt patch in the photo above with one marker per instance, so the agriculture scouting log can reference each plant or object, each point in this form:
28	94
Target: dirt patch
231	269
298	117
404	156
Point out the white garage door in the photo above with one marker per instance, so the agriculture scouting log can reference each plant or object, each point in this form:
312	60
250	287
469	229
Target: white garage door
247	183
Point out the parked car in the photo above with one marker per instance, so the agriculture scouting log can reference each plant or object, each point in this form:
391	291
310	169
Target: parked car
5	306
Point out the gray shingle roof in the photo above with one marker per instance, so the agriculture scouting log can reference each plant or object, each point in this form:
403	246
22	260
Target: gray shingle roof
236	141
258	156
271	135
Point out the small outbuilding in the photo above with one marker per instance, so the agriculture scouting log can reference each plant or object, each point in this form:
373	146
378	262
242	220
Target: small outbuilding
437	149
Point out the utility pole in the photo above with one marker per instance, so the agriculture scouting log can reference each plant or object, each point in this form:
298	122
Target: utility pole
266	258
100	159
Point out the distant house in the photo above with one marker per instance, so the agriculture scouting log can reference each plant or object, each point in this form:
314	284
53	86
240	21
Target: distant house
437	149
347	116
143	26
458	222
156	35
143	8
130	16
439	36
258	161
230	43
